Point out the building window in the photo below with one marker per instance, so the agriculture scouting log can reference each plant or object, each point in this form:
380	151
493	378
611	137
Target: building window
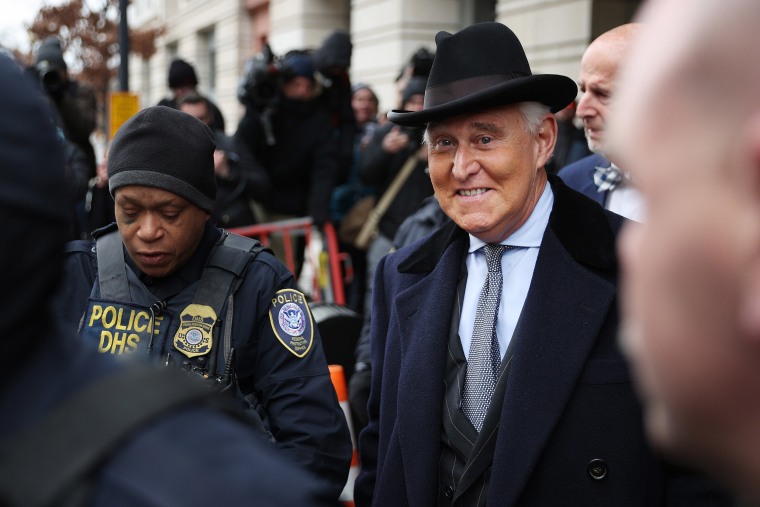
207	60
145	81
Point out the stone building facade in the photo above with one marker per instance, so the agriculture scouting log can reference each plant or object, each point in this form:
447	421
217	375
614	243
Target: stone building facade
217	36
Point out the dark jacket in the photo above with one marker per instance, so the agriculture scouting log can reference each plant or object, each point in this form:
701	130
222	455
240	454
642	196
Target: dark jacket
580	176
332	60
380	167
568	398
297	174
232	208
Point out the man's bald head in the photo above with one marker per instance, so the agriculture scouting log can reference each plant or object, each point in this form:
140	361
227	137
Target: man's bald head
598	79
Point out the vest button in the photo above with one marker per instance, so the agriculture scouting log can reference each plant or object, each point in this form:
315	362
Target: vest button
597	469
448	492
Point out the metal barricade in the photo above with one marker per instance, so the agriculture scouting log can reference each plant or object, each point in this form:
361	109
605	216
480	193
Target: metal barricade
330	270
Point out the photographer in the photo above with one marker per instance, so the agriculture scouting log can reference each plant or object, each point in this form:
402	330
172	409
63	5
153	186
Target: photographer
231	208
75	111
75	103
332	61
183	81
286	140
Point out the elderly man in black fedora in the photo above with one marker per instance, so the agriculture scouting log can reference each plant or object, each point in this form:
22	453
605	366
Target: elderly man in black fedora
497	378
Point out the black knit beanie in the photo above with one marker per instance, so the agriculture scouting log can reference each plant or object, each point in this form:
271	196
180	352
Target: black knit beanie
164	148
50	51
415	86
181	73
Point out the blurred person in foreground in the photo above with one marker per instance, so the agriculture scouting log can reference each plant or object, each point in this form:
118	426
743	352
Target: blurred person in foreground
687	125
496	376
189	455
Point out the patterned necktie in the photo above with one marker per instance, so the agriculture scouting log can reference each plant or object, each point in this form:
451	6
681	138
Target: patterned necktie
484	359
607	178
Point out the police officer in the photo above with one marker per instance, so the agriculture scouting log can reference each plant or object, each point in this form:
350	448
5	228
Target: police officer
164	282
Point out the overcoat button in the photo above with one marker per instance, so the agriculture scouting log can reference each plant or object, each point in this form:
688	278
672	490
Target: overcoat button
597	469
448	492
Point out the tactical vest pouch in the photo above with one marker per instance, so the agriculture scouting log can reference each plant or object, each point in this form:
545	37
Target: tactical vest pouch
123	328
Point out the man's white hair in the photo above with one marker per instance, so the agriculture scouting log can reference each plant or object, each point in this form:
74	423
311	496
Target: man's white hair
532	114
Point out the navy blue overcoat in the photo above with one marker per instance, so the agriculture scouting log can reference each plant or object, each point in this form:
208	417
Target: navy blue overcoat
570	430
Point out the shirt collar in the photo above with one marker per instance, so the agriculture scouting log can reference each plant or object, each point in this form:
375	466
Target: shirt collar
530	234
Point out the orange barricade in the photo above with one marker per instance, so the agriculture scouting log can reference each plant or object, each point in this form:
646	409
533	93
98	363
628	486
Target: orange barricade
328	277
338	378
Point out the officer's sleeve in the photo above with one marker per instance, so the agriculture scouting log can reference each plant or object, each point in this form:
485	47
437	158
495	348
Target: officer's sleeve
290	379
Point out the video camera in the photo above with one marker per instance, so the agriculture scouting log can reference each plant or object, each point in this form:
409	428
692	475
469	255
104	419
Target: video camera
51	77
421	62
262	77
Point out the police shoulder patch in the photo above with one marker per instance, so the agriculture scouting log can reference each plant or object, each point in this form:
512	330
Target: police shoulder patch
291	321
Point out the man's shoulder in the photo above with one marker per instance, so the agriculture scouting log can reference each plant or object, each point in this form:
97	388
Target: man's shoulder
582	167
79	246
80	256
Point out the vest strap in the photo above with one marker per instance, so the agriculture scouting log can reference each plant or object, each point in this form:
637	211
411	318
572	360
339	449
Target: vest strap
112	269
225	267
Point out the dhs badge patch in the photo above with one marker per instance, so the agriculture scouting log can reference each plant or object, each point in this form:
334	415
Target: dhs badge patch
291	321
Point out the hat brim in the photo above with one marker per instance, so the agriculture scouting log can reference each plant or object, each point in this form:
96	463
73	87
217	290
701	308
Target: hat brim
553	90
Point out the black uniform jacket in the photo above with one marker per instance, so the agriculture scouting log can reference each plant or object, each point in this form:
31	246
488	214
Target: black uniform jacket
294	394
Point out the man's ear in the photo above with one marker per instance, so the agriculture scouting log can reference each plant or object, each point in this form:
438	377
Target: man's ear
546	138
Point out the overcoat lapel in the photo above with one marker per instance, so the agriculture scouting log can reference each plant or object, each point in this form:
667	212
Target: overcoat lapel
563	314
423	313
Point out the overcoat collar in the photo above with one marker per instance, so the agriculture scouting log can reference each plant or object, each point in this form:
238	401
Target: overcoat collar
582	229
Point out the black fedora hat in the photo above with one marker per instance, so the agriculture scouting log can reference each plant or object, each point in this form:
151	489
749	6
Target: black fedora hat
482	66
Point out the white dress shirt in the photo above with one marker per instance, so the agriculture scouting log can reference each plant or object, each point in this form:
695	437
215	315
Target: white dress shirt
625	200
517	266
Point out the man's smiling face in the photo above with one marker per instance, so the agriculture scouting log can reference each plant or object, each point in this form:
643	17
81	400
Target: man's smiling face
487	169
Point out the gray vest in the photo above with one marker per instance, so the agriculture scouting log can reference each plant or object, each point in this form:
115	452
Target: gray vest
465	464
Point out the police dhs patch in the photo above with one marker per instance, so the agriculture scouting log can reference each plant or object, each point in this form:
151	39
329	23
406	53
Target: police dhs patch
194	336
291	321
